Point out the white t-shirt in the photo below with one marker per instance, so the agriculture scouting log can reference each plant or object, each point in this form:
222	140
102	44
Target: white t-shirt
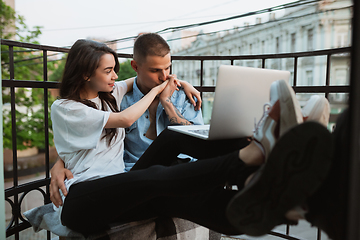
78	131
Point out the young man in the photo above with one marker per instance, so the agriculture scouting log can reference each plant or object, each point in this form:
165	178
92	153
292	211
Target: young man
152	61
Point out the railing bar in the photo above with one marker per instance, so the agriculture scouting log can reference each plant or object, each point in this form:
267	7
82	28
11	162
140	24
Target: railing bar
13	132
287	229
33	46
29	84
171	66
205	89
201	76
13	119
328	66
331	89
46	121
318	234
295	71
263	62
314	89
267	56
124	55
282	236
327	77
281	55
15	207
16	230
45	65
25	187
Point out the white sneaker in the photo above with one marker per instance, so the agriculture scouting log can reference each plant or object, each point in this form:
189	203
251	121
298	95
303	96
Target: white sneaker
317	108
283	113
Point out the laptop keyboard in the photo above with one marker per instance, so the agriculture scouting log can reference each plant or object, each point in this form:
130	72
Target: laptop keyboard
204	132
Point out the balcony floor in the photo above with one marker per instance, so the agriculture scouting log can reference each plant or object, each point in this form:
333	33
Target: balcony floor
302	231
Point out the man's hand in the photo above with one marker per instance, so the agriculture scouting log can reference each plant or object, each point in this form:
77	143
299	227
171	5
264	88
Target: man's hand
172	112
192	92
58	174
168	91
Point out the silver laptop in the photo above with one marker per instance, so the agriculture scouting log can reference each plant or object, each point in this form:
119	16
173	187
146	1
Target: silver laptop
240	95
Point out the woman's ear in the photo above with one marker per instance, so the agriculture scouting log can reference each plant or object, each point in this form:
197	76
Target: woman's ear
86	78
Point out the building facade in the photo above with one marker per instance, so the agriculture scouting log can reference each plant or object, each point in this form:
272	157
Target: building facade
322	25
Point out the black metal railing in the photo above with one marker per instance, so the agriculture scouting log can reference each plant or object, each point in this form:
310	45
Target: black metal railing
16	194
325	89
17	222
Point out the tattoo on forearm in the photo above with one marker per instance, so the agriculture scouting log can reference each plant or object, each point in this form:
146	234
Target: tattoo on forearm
174	120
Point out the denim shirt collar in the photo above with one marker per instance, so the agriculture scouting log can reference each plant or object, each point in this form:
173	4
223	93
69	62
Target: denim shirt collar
136	92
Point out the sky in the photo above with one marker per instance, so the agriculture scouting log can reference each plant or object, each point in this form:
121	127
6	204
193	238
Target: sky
65	21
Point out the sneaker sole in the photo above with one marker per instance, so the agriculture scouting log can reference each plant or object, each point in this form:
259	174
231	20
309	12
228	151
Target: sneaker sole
290	114
295	169
320	112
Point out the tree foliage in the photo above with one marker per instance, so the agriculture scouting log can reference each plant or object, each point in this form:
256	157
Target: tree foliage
58	72
30	125
126	70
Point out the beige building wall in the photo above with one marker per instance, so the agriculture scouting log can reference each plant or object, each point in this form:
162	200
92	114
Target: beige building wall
10	3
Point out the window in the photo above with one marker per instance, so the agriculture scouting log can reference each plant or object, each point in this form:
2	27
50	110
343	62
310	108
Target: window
293	42
342	39
278	47
340	77
212	72
262	46
309	78
310	40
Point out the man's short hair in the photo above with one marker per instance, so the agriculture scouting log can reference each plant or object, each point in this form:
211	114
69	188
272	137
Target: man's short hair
149	44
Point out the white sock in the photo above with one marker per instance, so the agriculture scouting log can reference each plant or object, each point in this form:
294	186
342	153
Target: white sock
261	147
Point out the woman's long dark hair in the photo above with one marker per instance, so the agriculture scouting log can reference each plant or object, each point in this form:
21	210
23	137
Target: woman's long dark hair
82	61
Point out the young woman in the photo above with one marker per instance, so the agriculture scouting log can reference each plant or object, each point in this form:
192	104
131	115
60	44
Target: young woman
89	137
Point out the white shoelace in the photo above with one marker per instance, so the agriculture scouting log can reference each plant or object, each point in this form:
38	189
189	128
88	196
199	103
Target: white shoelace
266	110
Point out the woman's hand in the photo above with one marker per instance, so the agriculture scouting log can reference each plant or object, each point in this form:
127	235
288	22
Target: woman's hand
160	88
171	87
192	92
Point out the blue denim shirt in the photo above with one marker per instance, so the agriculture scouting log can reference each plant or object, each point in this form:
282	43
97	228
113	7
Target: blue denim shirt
135	141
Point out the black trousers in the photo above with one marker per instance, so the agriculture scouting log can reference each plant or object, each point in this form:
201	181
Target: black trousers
156	187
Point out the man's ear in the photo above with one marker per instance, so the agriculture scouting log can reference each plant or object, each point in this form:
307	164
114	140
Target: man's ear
134	65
